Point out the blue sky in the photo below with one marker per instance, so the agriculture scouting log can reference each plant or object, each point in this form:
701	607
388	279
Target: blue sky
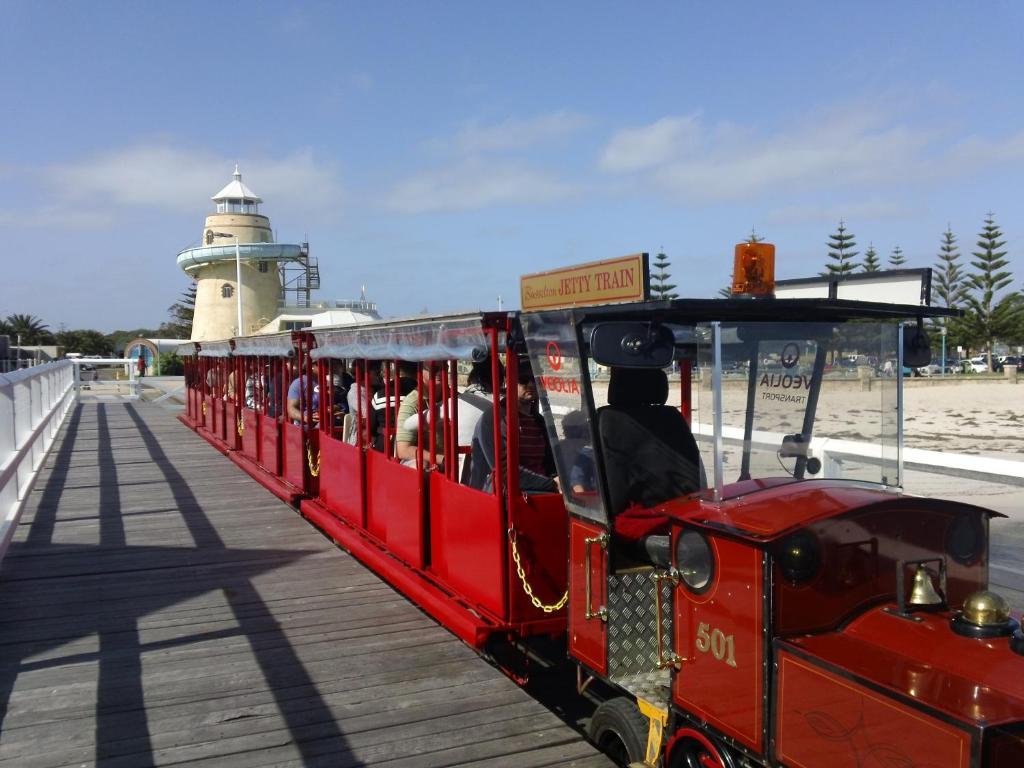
433	152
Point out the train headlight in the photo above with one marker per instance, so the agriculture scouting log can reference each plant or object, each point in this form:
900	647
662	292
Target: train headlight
985	614
695	561
799	557
965	540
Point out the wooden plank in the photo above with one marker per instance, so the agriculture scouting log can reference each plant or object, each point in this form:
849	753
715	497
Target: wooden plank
158	606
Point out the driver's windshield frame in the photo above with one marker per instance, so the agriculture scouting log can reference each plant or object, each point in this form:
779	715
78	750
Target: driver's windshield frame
578	387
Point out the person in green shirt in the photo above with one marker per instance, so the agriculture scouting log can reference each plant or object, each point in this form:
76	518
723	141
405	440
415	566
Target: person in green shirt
407	437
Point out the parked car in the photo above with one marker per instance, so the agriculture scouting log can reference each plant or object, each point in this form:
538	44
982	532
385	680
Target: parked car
975	365
935	369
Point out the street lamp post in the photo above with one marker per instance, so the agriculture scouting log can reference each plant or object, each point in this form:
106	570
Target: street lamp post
238	282
943	331
238	275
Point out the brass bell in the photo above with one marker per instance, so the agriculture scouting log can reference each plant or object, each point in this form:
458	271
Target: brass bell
923	591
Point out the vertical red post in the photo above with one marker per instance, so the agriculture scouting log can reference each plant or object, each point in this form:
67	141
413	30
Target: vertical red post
496	415
446	412
387	370
432	411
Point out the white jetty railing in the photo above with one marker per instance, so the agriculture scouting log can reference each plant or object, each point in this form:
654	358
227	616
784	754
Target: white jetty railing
33	404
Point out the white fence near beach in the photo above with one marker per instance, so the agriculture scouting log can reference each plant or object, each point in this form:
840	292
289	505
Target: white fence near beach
33	404
833	452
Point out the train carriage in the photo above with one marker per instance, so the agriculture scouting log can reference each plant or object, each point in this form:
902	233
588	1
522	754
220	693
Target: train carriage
214	376
264	366
192	416
487	563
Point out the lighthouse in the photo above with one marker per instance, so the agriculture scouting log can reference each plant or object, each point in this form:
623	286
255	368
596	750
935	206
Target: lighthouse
238	268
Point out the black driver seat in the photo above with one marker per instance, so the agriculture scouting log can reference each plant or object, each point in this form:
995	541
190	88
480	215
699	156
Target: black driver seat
650	455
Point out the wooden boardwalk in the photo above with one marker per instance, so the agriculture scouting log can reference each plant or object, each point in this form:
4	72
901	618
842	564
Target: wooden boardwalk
157	607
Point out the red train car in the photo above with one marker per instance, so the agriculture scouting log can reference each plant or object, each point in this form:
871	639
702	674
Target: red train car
730	554
192	415
485	561
271	448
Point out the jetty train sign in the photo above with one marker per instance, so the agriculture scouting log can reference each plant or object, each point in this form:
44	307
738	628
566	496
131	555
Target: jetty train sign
598	282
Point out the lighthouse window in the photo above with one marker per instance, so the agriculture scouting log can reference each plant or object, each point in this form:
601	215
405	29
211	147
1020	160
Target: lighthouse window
227	291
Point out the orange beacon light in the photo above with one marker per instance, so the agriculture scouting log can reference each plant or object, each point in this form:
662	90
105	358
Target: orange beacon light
753	272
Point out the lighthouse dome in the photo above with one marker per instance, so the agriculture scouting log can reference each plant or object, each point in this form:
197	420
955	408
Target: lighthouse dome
236	197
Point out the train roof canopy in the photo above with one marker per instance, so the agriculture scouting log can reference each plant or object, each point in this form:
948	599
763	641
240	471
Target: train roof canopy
760	310
271	345
215	349
458	337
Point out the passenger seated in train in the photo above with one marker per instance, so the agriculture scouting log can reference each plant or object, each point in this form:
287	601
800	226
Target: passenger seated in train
297	393
407	435
353	396
339	381
274	380
577	452
383	400
650	457
535	463
476	397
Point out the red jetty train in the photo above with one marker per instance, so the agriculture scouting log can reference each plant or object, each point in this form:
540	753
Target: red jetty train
729	551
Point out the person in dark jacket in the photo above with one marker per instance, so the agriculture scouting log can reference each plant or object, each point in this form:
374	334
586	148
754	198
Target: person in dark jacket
380	402
536	464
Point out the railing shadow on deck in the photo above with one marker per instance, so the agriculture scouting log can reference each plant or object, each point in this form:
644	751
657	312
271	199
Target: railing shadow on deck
122	733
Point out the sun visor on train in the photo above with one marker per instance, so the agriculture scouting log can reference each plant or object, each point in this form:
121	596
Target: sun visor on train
462	339
278	345
215	349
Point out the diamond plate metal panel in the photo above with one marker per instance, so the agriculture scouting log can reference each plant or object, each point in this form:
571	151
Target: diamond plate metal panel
632	643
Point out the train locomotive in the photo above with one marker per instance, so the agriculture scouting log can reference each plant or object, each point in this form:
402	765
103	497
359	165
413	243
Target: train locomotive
730	553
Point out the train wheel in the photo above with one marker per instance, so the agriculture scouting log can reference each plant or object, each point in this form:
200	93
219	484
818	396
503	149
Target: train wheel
618	728
698	753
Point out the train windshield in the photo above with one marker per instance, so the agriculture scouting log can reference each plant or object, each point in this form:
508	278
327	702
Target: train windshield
790	401
803	400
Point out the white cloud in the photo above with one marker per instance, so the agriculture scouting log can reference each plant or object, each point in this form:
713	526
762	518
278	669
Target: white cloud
851	146
476	184
515	133
167	177
476	178
634	149
873	209
53	217
973	151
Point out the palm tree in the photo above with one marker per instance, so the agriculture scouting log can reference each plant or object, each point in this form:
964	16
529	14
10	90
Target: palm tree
30	329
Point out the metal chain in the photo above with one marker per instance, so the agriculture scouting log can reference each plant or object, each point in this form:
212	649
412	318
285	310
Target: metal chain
526	585
313	470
